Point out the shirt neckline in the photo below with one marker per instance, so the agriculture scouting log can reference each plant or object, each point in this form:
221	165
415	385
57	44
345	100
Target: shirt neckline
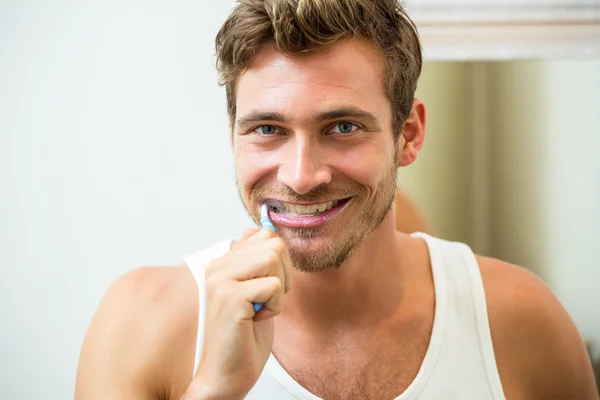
435	341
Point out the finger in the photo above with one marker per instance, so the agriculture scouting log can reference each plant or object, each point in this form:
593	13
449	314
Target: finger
267	290
284	270
259	235
262	234
256	261
287	266
252	236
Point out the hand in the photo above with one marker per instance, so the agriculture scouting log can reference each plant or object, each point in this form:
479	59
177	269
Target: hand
238	341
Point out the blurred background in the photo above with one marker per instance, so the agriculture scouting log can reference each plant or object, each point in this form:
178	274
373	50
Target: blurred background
114	154
510	166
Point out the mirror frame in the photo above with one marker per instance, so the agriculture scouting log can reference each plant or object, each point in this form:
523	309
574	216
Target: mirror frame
479	30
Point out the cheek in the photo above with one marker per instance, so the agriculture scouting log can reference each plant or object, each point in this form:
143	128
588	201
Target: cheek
252	165
367	163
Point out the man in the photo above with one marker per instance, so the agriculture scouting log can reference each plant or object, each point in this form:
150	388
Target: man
320	98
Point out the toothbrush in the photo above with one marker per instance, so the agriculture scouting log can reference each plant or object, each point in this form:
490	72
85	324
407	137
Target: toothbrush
265	222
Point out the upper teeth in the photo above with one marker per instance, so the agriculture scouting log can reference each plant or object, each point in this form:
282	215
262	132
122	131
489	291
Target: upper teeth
297	209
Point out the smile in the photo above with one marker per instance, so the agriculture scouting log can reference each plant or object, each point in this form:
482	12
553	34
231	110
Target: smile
305	215
301	210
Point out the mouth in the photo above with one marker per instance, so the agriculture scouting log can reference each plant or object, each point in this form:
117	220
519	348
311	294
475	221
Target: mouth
304	210
305	215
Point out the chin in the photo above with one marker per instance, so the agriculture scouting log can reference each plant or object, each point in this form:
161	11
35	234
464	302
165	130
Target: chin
308	243
315	252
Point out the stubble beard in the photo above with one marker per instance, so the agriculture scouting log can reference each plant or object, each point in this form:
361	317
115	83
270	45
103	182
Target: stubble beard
345	234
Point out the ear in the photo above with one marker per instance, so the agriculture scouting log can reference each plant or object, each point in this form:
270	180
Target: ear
413	134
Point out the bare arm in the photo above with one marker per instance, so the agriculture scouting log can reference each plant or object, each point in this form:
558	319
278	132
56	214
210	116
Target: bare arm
142	341
139	345
539	352
409	218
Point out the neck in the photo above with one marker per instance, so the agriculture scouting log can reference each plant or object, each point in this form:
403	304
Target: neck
365	290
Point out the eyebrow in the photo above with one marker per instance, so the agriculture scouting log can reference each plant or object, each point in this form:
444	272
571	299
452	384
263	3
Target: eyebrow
258	116
347	112
342	112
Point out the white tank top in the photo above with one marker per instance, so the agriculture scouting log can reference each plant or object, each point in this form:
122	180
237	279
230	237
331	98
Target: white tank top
459	362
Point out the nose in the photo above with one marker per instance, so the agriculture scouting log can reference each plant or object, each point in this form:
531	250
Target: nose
304	166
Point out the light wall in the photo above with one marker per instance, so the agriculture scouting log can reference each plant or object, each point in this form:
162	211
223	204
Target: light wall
521	183
547	178
114	154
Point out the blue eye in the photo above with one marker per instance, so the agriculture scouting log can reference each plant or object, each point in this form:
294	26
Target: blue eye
345	127
266	130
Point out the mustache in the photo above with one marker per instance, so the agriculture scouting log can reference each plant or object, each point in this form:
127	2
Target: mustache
321	192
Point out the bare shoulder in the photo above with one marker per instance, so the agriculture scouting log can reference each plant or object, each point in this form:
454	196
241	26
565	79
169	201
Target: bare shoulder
538	349
141	341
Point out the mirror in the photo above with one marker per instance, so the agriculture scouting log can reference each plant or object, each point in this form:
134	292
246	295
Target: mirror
509	163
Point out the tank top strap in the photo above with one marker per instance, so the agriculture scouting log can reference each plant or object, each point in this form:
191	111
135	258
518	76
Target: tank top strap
197	263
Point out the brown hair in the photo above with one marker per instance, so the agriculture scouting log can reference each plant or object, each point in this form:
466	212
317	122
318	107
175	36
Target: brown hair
294	26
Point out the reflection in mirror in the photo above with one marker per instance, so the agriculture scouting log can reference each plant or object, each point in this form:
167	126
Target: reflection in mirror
510	166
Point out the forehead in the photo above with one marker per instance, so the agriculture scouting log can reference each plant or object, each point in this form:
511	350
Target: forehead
348	73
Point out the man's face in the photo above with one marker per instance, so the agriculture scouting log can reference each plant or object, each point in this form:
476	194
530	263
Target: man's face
313	137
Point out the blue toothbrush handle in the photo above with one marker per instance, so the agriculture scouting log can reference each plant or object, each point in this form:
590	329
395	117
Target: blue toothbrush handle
265	222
